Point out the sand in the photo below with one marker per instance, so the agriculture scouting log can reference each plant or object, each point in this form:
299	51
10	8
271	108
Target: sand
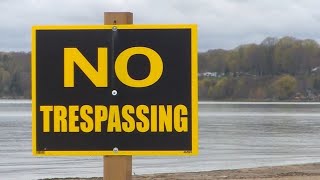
290	172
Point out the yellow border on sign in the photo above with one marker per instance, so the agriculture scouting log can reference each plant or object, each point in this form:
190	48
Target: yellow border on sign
194	88
33	92
193	27
194	91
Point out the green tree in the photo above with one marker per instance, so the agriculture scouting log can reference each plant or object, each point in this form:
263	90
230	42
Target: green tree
204	85
222	89
284	87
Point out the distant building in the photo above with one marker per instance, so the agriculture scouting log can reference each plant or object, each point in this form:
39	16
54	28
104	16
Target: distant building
210	74
316	69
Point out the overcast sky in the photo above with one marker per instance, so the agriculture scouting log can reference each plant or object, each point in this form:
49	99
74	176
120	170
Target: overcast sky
221	23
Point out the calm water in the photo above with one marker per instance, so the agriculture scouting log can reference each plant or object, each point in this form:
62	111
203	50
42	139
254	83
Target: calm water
232	135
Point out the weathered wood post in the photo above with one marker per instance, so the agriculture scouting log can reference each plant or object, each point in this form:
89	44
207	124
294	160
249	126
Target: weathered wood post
117	167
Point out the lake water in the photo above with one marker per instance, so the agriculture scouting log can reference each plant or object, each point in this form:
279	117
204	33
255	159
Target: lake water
232	135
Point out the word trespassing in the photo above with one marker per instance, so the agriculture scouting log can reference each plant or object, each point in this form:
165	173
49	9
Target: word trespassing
100	118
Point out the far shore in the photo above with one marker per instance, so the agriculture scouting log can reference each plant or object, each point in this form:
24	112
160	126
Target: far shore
289	172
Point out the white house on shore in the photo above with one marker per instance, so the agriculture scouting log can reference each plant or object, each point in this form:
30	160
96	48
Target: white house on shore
210	74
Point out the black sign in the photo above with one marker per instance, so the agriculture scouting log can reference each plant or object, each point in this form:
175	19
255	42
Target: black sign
126	90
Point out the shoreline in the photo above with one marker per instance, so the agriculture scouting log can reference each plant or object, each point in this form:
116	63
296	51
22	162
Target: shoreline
309	171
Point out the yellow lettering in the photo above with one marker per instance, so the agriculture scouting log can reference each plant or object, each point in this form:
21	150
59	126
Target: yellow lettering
73	56
114	124
46	117
59	120
156	67
100	115
165	118
87	125
180	123
142	126
130	124
130	118
154	118
73	118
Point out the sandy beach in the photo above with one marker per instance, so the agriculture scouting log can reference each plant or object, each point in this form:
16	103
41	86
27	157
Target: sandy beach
290	172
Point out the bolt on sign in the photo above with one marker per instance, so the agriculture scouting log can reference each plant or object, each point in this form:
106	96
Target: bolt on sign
114	90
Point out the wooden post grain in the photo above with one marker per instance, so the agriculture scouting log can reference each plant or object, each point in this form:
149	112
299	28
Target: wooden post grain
117	167
118	18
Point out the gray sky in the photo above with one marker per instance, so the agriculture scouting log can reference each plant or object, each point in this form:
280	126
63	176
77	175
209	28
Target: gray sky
221	23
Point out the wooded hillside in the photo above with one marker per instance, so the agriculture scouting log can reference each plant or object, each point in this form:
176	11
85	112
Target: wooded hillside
275	69
15	75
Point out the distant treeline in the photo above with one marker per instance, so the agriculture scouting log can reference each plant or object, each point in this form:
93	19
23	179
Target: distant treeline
275	69
15	75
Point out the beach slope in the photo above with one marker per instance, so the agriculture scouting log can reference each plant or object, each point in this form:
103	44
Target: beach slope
290	172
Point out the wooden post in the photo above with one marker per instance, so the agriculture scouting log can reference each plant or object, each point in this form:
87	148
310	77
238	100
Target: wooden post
117	167
118	18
